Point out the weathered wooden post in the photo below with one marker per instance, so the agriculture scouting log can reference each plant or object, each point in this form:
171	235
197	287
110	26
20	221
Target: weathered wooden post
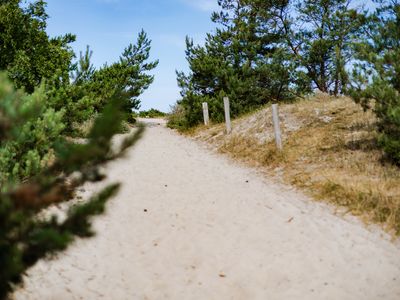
277	128
227	115
205	114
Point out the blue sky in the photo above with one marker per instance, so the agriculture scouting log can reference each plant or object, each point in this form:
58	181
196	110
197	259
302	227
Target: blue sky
108	26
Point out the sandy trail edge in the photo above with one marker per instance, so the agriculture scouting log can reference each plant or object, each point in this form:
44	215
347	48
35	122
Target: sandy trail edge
188	224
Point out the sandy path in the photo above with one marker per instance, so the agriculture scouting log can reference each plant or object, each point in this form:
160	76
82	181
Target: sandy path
188	224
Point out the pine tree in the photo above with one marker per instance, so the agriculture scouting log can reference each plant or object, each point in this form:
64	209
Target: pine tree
26	51
244	59
128	77
377	74
31	57
91	88
321	38
84	69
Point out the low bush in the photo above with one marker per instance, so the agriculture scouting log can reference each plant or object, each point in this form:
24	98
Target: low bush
177	118
151	113
51	170
377	75
31	147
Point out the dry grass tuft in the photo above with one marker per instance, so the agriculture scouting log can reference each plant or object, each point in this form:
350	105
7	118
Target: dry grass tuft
330	151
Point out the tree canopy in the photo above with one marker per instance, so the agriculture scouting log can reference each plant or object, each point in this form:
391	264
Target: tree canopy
376	80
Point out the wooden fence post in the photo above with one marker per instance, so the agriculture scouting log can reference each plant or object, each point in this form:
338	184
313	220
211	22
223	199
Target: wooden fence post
227	115
277	128
205	114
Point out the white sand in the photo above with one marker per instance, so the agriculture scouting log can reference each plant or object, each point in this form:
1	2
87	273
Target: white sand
208	234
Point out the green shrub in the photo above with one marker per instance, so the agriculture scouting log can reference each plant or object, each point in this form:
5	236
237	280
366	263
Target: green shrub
52	169
91	88
377	75
29	147
177	119
151	113
26	51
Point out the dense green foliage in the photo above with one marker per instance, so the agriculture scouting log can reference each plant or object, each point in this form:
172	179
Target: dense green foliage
377	73
44	96
31	147
322	45
70	93
91	88
151	113
245	60
31	57
127	77
24	237
26	51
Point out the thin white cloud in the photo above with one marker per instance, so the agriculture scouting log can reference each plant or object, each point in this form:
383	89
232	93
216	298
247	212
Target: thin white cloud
203	5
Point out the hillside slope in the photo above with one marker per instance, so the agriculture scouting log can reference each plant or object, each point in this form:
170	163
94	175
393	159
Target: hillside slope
330	151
